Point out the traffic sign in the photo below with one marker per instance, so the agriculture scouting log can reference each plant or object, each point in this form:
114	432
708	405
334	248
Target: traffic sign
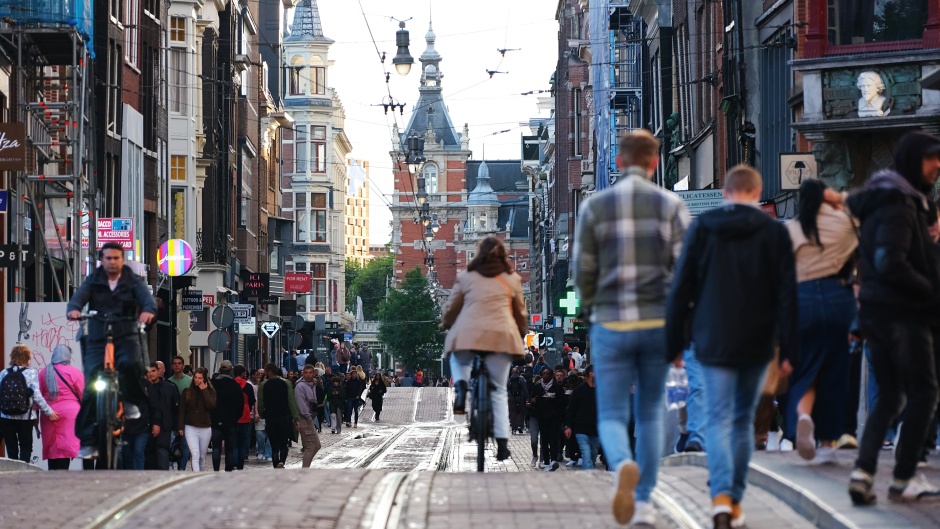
242	311
270	328
219	340
297	322
223	316
295	339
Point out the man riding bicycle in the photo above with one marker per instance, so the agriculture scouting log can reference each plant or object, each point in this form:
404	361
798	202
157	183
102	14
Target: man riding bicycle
117	295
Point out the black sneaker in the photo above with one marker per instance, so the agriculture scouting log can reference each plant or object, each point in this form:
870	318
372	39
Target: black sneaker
693	447
680	444
722	520
460	397
502	449
860	488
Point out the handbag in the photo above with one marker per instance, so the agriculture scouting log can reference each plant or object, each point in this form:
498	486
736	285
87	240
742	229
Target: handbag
176	450
77	397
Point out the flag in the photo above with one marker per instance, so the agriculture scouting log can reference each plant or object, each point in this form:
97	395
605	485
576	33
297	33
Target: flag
357	177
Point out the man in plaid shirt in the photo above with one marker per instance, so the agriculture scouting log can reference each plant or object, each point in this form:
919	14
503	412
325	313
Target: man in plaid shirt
627	241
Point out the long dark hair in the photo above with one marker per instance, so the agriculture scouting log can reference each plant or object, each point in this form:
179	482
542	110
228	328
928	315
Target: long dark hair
809	202
491	259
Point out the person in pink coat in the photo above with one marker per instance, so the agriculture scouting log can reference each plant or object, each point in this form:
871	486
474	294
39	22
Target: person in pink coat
61	384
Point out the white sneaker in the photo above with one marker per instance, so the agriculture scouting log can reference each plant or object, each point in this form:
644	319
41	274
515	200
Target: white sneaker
534	463
625	479
915	489
259	457
825	455
644	514
805	440
786	445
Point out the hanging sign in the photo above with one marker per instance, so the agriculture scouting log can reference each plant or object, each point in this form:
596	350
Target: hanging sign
297	283
12	146
175	257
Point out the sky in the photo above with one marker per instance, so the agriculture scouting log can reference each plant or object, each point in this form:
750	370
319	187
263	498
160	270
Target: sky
468	37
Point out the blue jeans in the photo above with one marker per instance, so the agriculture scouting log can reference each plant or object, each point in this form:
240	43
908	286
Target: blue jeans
732	394
182	464
696	403
132	453
827	309
589	447
622	359
264	445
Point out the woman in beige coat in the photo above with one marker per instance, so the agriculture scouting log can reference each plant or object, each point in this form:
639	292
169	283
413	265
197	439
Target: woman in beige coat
486	313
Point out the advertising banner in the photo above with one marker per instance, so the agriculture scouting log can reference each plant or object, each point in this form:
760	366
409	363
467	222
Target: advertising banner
297	283
12	146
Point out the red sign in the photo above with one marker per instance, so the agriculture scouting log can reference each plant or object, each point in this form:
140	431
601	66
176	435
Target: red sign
535	320
116	230
208	300
770	209
297	283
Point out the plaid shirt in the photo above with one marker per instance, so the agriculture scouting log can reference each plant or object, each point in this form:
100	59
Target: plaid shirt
627	241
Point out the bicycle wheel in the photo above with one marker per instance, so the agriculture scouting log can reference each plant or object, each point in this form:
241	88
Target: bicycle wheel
109	423
482	405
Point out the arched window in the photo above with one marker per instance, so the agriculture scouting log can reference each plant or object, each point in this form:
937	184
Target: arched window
297	79
430	177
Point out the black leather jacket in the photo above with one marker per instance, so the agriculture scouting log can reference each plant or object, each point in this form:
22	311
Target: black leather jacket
131	297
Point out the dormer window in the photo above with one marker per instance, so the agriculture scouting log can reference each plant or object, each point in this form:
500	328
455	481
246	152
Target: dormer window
430	177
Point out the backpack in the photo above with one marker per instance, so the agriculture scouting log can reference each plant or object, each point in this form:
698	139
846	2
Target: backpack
15	394
515	386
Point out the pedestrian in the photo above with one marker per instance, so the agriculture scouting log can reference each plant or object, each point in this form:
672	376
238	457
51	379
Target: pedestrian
243	426
546	399
137	433
532	420
824	243
342	359
734	296
182	381
376	394
355	386
278	408
228	410
61	385
540	364
334	353
581	419
337	403
518	395
365	359
627	242
306	396
897	304
164	400
487	296
262	444
406	381
321	402
19	395
195	419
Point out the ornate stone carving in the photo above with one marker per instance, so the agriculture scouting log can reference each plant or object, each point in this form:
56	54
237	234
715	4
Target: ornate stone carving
834	164
871	92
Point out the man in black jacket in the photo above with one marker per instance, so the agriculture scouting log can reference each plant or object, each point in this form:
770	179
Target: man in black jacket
518	395
228	409
164	410
581	419
898	300
735	288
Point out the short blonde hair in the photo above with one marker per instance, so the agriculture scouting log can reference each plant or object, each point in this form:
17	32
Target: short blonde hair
20	355
638	147
743	179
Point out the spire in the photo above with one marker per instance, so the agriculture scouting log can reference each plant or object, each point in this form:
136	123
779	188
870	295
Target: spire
430	113
483	194
430	54
307	25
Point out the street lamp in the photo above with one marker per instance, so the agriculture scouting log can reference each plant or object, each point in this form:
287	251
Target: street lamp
435	225
428	234
403	59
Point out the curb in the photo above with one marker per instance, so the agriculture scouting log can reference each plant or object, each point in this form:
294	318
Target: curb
798	498
15	465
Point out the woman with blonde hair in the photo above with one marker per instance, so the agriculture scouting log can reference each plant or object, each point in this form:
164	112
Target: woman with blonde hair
487	296
16	416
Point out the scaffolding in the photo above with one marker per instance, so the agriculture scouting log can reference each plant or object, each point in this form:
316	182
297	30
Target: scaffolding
50	45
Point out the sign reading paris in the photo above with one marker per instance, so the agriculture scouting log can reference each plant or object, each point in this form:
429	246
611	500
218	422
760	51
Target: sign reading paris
175	257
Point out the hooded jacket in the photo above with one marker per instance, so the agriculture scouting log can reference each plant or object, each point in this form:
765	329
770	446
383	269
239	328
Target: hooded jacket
734	294
126	301
899	277
229	402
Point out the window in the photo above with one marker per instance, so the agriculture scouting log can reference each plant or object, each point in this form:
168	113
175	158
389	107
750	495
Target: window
177	81
131	32
864	21
243	213
310	221
177	29
430	178
300	149
318	149
576	121
178	168
296	82
318	80
318	287
114	10
114	86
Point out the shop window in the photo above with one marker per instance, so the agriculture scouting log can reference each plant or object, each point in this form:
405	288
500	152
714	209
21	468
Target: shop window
868	21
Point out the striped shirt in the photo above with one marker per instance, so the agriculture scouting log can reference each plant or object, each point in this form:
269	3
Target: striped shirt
627	241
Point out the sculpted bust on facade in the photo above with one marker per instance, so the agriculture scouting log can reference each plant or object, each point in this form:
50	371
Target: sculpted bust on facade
873	100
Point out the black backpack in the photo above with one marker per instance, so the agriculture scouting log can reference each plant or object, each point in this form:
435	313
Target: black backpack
15	394
515	386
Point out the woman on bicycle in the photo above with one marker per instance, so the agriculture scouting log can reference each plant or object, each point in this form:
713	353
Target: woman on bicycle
486	314
196	405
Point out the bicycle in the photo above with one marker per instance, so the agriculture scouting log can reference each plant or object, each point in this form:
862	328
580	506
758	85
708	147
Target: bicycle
480	418
109	409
